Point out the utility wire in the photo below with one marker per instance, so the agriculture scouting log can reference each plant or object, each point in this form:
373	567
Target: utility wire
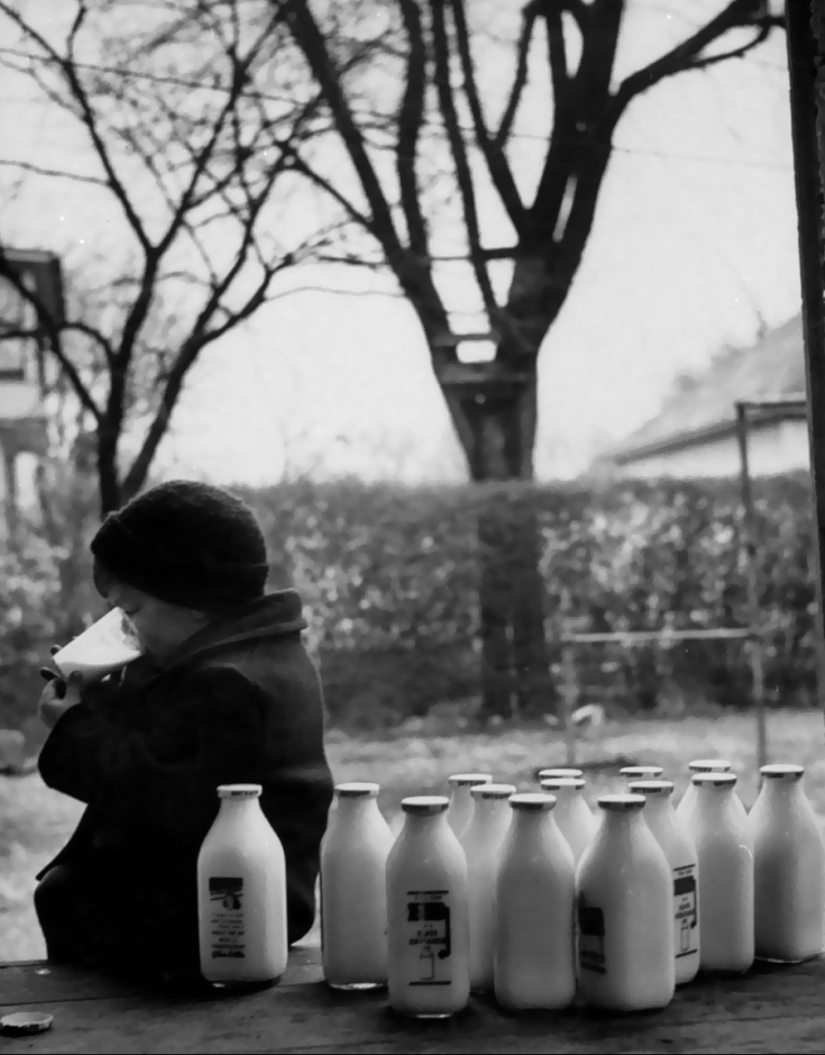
522	136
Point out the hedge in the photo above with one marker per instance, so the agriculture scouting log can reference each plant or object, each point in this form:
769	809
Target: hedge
390	578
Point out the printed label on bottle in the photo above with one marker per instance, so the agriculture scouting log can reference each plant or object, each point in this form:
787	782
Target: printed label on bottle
685	911
226	930
591	937
429	932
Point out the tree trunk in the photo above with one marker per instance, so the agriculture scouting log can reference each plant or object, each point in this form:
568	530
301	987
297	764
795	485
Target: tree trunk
497	428
12	500
107	471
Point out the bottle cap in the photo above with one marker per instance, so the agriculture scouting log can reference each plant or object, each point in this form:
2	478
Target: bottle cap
547	774
532	800
493	791
641	772
714	780
783	771
425	805
709	765
468	780
659	788
554	783
239	791
23	1023
357	790
621	803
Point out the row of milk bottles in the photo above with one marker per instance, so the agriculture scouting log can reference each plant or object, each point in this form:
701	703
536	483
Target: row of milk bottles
528	895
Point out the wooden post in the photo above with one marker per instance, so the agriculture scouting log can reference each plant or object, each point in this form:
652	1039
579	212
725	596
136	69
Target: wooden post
569	698
748	529
806	63
11	497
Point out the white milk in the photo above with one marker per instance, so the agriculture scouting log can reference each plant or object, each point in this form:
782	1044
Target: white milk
625	912
242	893
427	920
631	773
354	854
680	851
789	868
572	814
106	645
725	850
460	812
482	841
700	765
560	771
535	911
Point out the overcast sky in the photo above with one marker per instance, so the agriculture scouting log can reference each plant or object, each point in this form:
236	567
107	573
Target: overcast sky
695	234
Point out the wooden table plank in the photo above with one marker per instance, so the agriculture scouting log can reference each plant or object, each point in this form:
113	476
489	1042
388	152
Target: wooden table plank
771	1009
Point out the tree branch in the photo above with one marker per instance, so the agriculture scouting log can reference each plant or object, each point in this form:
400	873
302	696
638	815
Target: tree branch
410	121
687	55
310	40
529	16
494	156
39	170
458	149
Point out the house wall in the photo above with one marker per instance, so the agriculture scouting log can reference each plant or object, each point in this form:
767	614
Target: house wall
772	450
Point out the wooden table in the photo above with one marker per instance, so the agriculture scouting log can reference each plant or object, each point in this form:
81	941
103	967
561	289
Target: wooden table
771	1009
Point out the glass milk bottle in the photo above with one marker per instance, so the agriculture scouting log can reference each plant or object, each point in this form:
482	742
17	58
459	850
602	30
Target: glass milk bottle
535	911
242	893
482	841
624	894
789	868
460	811
699	765
725	850
572	814
354	854
681	855
427	921
559	771
631	773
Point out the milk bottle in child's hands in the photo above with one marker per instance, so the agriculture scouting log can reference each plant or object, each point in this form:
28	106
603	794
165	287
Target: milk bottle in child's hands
106	645
699	765
460	811
789	868
625	912
535	911
573	816
680	852
482	841
427	920
354	854
242	893
724	847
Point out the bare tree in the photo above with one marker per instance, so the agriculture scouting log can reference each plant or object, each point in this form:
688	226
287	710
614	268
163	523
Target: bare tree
440	117
193	160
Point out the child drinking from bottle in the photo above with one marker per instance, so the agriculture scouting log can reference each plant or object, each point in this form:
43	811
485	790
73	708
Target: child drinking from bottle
224	693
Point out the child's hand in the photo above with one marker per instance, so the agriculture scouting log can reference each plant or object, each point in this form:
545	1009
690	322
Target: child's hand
57	698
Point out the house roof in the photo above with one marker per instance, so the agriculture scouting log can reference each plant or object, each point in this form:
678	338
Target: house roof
702	407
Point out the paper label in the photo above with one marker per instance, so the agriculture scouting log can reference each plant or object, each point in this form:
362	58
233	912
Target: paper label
429	932
227	932
685	911
591	937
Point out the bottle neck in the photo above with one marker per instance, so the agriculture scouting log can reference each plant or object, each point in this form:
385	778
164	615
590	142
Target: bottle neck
353	809
528	822
491	814
235	809
713	800
783	794
421	824
656	807
620	823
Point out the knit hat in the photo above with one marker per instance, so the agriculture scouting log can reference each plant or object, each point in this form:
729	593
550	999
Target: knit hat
186	543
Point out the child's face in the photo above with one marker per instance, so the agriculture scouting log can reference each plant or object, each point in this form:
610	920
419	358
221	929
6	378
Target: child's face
162	627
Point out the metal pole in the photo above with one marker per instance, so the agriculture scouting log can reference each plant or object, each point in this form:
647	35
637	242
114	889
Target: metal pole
806	50
569	696
748	535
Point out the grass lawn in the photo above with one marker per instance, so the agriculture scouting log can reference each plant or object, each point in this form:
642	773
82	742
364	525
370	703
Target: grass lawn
35	821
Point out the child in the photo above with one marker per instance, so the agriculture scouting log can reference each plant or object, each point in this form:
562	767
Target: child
225	693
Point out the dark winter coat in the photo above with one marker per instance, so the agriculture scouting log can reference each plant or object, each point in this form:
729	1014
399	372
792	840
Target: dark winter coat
241	703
